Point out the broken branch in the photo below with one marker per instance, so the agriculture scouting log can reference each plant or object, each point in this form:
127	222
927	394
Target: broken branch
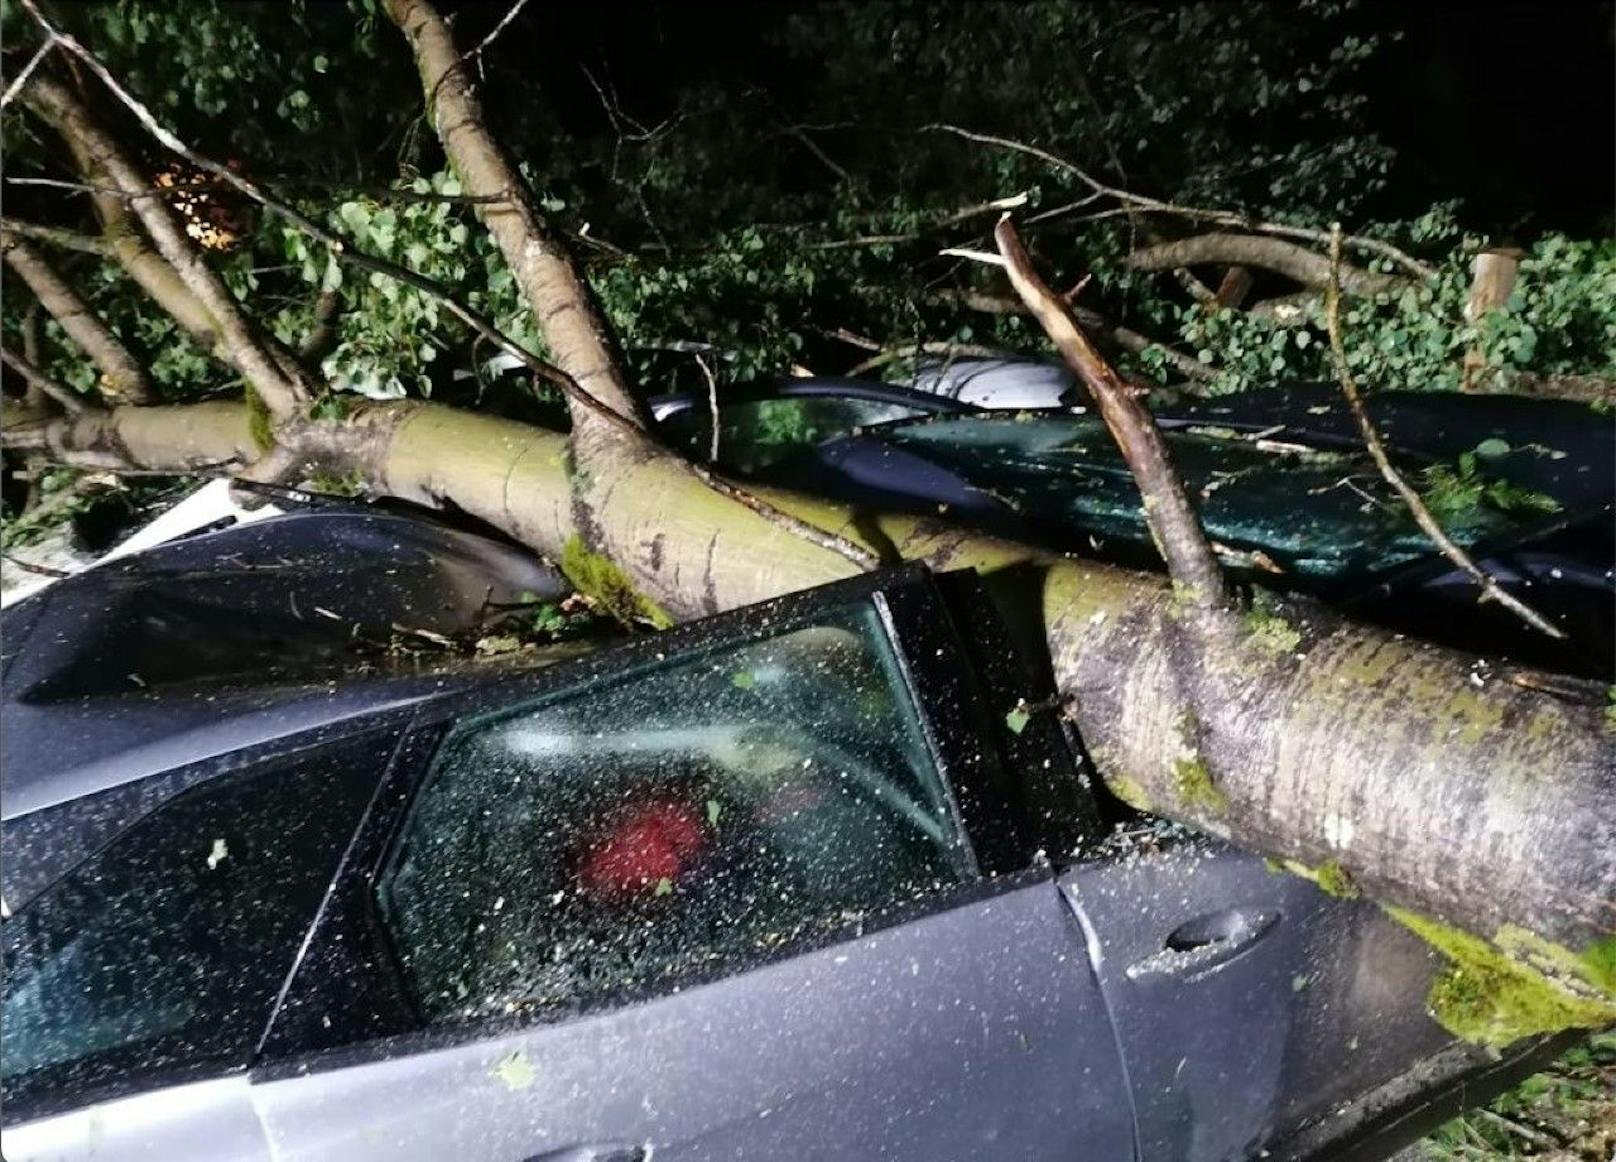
122	377
1171	517
1490	589
71	401
1287	258
1134	203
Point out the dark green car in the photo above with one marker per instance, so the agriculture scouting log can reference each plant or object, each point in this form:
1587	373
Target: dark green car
1284	486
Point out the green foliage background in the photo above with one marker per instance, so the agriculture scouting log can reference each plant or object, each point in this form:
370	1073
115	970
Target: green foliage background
736	206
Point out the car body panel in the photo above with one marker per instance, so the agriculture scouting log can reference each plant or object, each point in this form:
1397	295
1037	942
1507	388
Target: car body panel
229	638
1248	1003
205	1121
977	1031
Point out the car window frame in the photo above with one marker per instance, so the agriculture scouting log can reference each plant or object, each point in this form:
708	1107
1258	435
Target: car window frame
321	1028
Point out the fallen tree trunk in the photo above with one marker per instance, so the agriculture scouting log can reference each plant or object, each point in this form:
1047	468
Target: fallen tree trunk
1423	777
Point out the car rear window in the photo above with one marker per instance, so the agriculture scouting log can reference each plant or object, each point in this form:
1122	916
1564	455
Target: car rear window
167	949
691	819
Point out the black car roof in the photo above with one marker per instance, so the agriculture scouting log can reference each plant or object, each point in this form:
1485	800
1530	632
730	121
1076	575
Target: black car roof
224	639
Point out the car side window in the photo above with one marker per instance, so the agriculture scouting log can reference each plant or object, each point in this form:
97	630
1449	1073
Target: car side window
698	815
167	949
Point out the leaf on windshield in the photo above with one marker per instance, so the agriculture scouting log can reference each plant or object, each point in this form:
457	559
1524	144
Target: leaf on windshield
1018	718
744	680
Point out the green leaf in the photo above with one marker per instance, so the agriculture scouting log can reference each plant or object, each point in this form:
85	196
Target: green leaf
1016	721
743	680
1492	447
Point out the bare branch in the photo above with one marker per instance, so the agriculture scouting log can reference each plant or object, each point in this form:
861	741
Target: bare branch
1135	203
1092	321
56	236
21	78
1171	517
1429	525
122	377
71	401
712	407
887	355
482	45
997	205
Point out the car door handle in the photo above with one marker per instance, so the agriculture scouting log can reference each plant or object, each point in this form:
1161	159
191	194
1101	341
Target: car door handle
1207	942
597	1152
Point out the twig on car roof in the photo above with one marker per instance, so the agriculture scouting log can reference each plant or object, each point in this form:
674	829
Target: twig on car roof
1429	525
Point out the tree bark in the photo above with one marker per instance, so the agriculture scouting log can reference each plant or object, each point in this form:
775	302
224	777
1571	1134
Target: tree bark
123	379
1275	254
573	327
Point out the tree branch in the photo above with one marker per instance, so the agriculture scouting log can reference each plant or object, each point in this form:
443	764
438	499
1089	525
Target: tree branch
270	368
101	158
1135	203
123	379
1124	337
1295	262
201	437
1490	589
56	236
555	292
885	355
27	71
1172	519
322	336
71	401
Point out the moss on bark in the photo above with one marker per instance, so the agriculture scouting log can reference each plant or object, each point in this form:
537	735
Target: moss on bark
595	576
1518	985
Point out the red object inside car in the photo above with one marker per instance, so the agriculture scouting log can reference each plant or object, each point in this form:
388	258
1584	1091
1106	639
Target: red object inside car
651	843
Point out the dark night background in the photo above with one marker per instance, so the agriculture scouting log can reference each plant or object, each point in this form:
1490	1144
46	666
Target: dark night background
1510	105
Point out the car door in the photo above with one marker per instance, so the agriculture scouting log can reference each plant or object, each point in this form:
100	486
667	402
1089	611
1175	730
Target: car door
755	888
1249	1003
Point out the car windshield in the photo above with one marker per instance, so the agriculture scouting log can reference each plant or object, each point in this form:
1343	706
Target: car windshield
1317	512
